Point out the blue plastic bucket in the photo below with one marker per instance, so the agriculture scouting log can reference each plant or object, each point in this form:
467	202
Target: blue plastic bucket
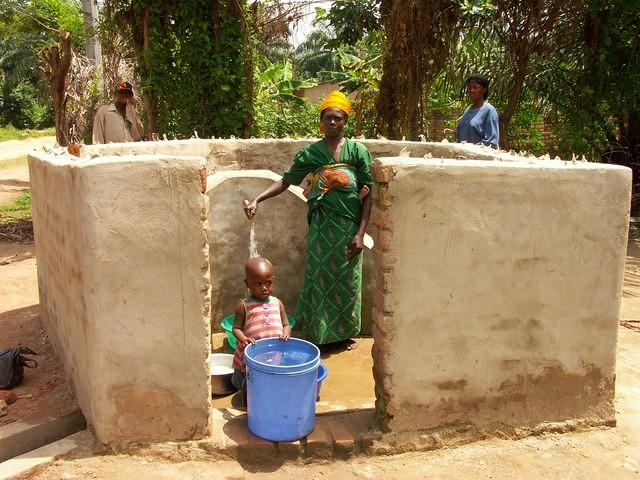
282	386
323	371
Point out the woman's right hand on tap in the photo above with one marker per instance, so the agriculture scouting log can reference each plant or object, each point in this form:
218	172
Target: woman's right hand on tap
250	208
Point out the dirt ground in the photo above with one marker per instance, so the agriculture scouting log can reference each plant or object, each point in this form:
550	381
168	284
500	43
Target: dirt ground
15	179
44	392
603	453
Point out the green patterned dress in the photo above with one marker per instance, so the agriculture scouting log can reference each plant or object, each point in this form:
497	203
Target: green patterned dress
329	304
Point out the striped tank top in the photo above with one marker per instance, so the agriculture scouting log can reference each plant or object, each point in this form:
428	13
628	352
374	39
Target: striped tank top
262	320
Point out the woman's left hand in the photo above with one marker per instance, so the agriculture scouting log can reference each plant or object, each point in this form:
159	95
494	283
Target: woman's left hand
356	246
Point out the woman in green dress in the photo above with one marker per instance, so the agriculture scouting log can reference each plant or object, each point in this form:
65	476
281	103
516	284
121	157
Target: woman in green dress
339	204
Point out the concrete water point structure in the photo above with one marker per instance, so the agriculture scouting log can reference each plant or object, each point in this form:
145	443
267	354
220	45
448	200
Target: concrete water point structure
494	287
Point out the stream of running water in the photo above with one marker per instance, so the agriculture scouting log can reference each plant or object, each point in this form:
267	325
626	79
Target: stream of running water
253	246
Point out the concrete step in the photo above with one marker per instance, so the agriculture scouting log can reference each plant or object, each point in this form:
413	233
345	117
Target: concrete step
20	437
27	461
338	435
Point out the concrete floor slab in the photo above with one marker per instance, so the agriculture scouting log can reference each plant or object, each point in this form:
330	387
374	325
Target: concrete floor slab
30	460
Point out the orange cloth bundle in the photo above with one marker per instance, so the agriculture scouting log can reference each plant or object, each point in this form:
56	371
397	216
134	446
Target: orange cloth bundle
336	99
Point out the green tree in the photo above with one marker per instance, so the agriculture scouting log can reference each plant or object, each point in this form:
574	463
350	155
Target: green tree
359	73
26	27
194	61
313	55
592	90
351	20
421	37
279	112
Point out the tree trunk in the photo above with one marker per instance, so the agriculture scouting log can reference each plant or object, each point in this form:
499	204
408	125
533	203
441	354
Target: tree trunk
149	101
420	38
514	97
56	63
248	120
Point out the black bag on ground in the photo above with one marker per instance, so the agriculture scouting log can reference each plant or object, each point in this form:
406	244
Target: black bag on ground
12	363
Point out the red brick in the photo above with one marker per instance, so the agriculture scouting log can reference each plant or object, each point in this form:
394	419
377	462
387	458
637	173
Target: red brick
380	345
384	260
386	282
378	300
381	279
343	441
385	199
384	239
378	260
290	450
8	397
389	260
378	217
368	439
375	192
249	448
383	173
319	442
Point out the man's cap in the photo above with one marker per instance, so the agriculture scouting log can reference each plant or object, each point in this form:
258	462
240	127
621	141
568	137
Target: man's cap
124	87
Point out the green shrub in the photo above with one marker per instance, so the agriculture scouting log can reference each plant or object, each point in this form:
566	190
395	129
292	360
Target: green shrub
24	109
19	209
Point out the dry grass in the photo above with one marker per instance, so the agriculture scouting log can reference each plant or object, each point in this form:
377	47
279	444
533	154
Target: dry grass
15	220
13	162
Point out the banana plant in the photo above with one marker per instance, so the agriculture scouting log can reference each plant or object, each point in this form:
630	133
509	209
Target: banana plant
278	80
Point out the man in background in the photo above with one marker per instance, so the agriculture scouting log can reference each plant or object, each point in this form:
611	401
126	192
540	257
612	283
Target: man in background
119	122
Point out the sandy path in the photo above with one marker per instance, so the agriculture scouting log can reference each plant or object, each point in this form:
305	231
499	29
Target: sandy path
18	148
602	453
15	179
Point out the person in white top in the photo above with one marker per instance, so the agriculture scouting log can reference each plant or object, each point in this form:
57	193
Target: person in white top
118	122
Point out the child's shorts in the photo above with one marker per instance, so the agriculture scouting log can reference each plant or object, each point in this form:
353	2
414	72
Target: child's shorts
239	379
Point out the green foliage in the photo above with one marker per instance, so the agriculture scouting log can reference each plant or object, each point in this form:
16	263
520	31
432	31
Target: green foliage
592	90
192	64
314	55
25	28
10	132
19	209
25	109
278	111
359	73
523	132
351	20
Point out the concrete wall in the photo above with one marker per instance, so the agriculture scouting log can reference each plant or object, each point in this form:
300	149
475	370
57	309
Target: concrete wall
276	155
497	283
281	235
123	276
280	230
498	287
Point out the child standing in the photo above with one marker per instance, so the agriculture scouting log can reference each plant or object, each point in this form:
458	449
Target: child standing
258	315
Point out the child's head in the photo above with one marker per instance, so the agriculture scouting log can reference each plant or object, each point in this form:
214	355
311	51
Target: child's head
259	277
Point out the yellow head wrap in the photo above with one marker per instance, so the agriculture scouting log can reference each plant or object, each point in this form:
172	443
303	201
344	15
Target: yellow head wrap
336	99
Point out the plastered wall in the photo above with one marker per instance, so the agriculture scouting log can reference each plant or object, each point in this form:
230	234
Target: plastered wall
498	287
123	274
276	155
280	234
280	230
496	282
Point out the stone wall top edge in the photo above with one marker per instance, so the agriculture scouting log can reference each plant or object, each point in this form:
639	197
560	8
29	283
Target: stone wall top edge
521	163
67	160
286	140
